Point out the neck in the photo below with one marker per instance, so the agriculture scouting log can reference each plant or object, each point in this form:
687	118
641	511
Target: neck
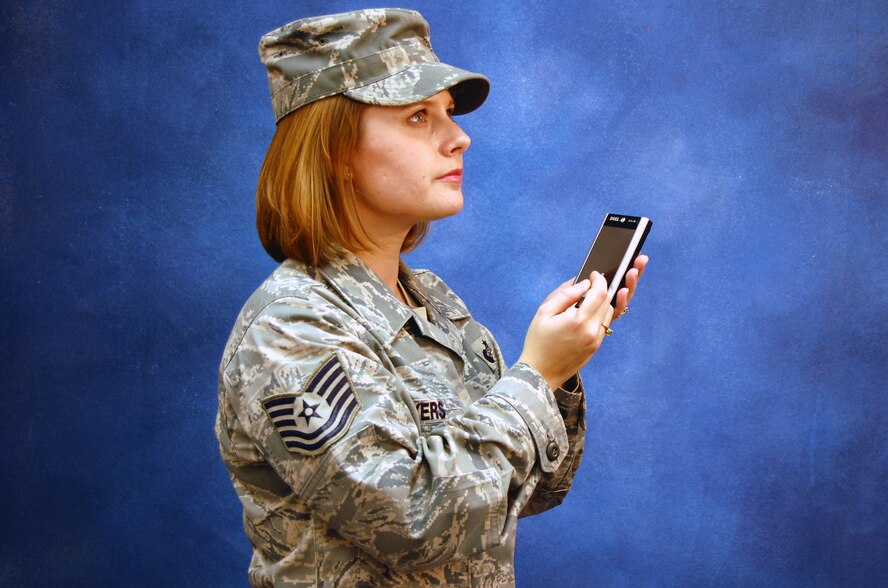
384	260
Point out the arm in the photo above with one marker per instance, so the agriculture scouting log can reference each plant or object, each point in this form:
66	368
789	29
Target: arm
552	488
571	399
409	501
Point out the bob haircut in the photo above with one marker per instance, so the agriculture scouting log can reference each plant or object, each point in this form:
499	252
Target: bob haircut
304	202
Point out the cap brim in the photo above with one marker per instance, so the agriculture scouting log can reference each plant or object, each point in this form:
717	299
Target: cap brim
423	80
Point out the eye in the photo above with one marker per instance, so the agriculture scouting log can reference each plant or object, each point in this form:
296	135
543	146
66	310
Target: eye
419	116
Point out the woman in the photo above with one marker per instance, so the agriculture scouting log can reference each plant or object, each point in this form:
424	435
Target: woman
371	428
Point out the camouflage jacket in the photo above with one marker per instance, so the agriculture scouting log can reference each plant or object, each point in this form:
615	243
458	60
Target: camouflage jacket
372	447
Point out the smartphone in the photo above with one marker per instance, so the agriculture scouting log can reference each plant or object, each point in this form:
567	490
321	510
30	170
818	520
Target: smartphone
614	250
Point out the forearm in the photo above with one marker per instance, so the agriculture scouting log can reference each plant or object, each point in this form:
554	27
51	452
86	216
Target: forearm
553	487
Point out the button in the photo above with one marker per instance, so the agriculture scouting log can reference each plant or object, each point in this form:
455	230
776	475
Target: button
552	451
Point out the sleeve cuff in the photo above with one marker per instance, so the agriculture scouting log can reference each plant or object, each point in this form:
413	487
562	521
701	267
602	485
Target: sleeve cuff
537	405
570	397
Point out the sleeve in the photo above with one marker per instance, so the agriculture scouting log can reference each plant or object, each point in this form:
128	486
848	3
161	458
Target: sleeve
553	487
353	450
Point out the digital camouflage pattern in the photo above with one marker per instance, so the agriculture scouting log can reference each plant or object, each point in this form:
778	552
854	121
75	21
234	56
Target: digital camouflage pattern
447	448
380	56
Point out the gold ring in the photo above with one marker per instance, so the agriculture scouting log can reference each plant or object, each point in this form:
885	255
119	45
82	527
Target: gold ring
624	311
607	330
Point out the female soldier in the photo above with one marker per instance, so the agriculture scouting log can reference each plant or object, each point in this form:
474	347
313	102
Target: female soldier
371	428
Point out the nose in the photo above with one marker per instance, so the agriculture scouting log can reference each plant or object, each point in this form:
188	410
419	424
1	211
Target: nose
457	141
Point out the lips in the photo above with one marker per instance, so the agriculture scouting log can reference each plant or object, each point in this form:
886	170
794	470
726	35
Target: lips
454	175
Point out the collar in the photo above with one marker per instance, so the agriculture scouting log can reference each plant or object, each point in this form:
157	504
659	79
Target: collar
364	291
432	291
383	312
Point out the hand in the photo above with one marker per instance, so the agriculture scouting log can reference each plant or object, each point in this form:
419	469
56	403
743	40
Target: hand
562	338
624	295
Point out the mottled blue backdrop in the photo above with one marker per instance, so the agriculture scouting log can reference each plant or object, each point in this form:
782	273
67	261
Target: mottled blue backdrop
737	425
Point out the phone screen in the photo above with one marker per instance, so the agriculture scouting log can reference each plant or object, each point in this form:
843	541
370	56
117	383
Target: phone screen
610	246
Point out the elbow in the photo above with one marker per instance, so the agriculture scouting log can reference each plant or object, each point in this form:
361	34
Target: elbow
432	551
464	515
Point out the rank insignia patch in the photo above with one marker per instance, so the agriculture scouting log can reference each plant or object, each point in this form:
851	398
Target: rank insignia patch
309	422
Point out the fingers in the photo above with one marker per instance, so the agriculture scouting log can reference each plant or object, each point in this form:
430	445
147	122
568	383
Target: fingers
595	291
563	298
595	311
640	263
622	302
596	297
632	277
631	283
608	317
563	285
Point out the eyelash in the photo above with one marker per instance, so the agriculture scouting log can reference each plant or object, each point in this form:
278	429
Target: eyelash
422	113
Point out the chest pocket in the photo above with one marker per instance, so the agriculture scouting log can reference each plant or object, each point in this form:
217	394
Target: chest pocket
482	368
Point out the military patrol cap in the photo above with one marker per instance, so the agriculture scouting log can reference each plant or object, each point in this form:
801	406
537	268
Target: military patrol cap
380	56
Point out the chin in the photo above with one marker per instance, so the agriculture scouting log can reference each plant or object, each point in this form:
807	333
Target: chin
452	209
442	206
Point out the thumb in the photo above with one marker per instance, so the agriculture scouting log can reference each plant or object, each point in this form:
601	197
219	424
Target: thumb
563	298
562	286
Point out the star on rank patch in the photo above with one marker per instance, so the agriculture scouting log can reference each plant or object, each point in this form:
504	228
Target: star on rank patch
311	421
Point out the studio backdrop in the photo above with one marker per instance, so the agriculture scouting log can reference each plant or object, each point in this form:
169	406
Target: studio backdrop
737	431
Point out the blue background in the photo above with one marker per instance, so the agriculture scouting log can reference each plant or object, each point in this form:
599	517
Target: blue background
737	420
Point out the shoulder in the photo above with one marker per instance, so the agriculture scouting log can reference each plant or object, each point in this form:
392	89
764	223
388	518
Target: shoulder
293	293
292	280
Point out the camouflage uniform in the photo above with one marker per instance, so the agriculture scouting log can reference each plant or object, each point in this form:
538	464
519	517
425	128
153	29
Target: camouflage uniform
412	468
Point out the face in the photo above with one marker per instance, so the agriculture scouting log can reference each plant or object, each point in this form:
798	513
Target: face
407	166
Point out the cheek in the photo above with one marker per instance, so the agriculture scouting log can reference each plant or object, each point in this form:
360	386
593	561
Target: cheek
389	171
375	164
